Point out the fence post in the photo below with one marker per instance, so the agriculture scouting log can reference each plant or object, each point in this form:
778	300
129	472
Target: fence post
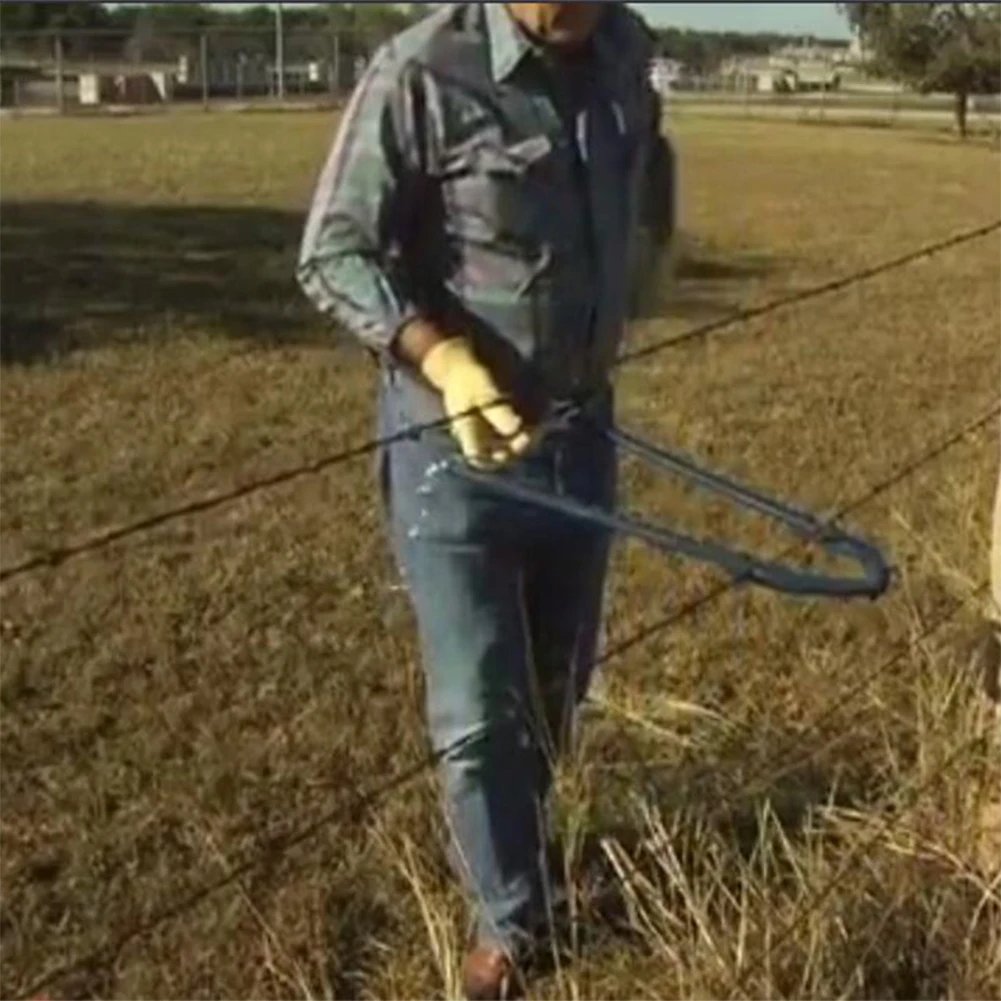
280	50
335	83
205	69
60	81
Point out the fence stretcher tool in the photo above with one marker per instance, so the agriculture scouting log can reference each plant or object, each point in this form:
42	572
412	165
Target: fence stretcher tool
873	582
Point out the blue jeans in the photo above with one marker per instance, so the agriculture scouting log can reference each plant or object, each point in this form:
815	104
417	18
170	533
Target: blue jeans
508	600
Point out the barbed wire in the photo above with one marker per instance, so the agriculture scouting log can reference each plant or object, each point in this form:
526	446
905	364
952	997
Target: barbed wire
766	779
763	779
713	594
58	556
812	292
365	802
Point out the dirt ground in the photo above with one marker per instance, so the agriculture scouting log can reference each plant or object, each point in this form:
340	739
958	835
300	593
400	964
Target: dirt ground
773	797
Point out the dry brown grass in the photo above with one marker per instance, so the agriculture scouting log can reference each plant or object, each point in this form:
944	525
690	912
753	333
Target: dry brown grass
172	706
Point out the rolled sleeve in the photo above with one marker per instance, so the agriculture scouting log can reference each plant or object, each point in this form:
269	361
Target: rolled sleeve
352	263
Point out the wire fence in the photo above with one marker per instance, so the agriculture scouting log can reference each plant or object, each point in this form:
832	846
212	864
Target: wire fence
73	70
874	492
360	803
152	65
56	556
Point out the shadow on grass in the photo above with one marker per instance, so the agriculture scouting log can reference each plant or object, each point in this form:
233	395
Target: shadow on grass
85	275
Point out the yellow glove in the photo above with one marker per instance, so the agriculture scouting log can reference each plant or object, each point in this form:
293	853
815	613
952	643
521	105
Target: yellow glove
490	434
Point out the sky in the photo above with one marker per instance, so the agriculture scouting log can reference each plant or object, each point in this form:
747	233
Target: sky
821	19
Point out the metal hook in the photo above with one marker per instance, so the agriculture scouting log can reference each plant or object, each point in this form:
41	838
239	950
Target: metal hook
873	583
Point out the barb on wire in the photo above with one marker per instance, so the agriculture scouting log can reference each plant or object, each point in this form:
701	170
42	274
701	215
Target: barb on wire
102	540
59	555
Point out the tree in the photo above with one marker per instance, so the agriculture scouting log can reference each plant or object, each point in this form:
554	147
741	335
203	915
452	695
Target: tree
22	17
167	16
951	47
702	52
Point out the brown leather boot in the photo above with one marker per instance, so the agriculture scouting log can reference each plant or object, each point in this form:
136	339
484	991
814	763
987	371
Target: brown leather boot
490	975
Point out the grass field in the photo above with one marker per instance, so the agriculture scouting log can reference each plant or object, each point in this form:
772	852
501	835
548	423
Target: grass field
765	803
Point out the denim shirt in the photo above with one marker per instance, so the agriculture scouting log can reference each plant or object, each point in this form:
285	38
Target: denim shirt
460	189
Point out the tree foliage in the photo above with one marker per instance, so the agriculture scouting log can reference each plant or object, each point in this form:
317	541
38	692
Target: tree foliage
945	47
23	17
703	52
44	15
163	32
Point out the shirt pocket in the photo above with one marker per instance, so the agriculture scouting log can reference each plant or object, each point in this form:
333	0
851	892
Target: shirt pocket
493	196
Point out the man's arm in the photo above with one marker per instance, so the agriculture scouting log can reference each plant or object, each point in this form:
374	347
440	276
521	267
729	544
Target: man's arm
357	257
363	215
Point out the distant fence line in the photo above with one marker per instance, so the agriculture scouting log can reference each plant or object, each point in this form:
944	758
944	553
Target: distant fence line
863	99
66	69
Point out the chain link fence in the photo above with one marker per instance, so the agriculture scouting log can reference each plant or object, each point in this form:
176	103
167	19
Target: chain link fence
75	70
151	66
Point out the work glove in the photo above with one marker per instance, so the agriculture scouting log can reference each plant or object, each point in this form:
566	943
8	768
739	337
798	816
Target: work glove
490	433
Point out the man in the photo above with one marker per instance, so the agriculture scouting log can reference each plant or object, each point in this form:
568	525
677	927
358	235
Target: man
476	228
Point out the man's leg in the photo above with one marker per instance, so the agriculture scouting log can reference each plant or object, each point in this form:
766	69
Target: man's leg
565	589
565	592
463	564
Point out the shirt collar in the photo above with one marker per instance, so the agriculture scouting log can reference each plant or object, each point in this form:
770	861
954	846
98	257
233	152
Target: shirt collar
508	43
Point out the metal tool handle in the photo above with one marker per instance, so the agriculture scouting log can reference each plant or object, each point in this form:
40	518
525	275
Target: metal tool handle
873	583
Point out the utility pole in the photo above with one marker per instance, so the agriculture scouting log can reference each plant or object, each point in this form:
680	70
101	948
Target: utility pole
60	75
204	46
280	51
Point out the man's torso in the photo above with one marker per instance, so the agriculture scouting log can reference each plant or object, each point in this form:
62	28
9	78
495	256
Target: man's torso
530	192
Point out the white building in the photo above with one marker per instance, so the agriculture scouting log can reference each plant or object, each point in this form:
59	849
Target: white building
664	73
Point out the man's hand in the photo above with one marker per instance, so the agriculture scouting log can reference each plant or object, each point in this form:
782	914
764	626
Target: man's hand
490	433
